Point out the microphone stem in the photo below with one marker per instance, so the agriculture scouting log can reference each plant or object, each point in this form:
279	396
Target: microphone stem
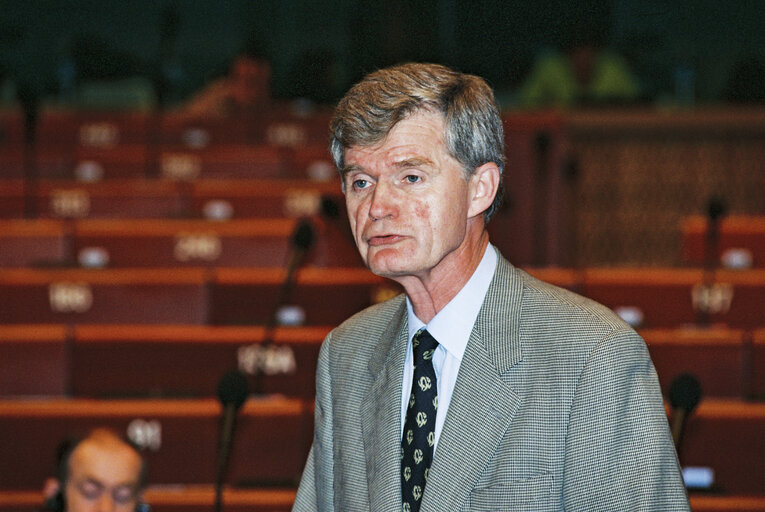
227	429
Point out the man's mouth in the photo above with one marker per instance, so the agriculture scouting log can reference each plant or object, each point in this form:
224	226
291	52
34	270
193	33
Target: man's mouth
377	241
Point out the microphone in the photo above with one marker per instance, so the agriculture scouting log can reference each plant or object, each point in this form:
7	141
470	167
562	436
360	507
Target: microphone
301	241
684	396
250	359
232	392
716	210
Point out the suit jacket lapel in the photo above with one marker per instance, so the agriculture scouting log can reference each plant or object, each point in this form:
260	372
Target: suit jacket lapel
381	416
483	405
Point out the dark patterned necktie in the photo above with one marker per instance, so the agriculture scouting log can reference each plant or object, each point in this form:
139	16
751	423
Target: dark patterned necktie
420	425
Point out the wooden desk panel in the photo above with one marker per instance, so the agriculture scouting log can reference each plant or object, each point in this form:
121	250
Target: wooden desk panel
234	243
269	198
34	360
222	162
135	360
665	295
271	443
758	364
717	357
118	162
709	503
727	435
141	296
126	198
187	498
735	232
94	128
11	198
327	296
31	242
201	499
11	161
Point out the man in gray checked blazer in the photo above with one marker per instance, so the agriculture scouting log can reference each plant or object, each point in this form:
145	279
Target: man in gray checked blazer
545	400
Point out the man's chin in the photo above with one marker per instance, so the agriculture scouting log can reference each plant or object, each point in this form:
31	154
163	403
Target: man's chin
388	263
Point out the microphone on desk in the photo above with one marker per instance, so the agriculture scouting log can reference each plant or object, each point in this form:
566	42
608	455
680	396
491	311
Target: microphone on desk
684	396
707	296
232	392
300	243
716	210
254	359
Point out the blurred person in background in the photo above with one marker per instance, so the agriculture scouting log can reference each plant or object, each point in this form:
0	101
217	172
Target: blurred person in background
583	73
246	88
101	472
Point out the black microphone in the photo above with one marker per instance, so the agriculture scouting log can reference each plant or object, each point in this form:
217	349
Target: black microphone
232	392
716	210
684	396
301	241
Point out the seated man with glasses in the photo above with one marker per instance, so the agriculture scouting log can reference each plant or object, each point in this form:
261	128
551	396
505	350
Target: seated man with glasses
100	472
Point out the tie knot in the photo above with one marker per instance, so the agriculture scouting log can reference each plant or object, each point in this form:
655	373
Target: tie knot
423	345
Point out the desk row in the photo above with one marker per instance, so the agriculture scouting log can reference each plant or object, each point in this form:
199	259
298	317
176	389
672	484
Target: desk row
169	199
121	243
645	297
274	436
200	498
278	125
118	361
227	161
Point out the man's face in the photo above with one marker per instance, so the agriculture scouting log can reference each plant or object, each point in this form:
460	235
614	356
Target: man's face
103	476
407	198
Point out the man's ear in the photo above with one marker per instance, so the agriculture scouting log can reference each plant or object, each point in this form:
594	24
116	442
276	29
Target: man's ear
483	186
51	487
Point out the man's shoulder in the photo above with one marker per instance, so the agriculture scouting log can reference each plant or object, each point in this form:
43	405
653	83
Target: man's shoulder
569	305
554	305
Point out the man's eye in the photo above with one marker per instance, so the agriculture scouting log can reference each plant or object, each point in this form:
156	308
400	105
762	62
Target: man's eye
359	184
90	491
123	494
412	178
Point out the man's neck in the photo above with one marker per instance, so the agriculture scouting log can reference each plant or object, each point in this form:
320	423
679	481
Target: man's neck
430	292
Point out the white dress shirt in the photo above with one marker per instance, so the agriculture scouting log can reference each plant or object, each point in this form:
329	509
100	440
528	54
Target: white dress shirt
451	327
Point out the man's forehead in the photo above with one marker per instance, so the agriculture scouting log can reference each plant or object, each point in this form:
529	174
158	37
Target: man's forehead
104	459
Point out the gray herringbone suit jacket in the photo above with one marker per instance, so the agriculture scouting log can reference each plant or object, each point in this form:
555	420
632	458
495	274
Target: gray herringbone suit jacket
556	407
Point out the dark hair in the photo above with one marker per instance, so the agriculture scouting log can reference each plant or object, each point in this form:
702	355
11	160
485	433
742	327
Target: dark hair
474	134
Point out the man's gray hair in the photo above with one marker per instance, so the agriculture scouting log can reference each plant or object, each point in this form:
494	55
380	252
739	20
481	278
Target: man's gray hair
371	108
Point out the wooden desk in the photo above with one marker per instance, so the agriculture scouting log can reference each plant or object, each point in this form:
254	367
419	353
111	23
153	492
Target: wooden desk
34	360
270	447
727	435
114	198
32	242
186	360
76	296
233	243
664	295
327	296
735	232
717	357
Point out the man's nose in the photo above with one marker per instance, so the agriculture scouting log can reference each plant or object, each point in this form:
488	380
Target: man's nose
384	201
106	503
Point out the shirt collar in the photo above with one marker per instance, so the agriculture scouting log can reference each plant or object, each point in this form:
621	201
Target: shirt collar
453	324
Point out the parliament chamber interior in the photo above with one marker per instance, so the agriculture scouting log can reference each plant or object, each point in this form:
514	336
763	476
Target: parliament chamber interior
145	254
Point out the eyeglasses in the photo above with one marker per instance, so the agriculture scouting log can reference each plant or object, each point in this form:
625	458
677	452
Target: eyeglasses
92	490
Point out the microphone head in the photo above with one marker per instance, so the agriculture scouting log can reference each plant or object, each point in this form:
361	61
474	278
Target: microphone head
685	392
329	208
232	389
302	238
716	208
